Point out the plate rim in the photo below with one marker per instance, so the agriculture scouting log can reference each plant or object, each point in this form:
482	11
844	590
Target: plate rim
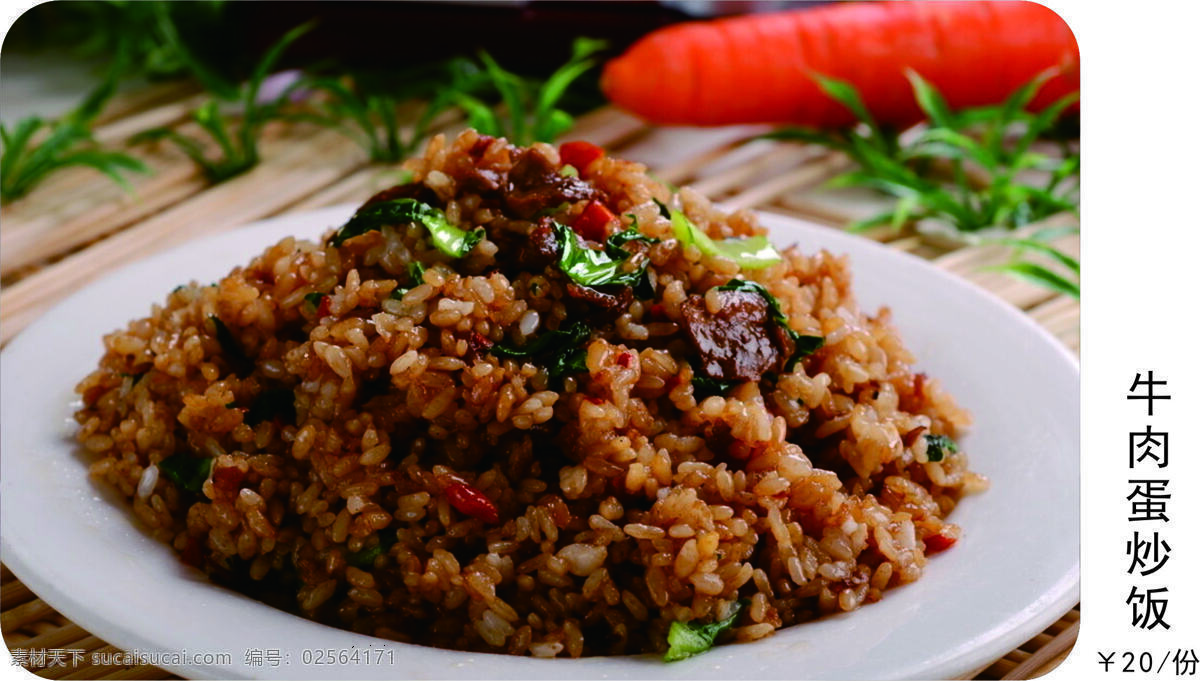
1058	599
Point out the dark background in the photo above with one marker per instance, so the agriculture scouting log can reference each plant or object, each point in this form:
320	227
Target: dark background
375	38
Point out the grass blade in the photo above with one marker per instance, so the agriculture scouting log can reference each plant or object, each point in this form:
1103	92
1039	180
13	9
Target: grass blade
930	100
511	91
1039	275
1043	248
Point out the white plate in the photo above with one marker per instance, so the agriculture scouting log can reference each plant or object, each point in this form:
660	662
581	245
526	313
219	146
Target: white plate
1014	572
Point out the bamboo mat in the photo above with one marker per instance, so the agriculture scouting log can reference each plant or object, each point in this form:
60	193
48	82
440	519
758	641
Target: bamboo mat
78	226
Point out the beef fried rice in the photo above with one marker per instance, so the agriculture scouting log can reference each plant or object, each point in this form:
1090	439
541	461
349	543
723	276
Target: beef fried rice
532	401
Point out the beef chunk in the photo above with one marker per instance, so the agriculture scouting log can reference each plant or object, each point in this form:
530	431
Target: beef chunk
609	304
534	184
412	190
475	179
740	342
540	249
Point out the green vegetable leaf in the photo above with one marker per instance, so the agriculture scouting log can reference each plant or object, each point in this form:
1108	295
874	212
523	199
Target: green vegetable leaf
750	253
271	404
448	239
663	210
314	299
563	351
568	363
241	363
615	242
571	335
937	446
591	267
805	345
416	272
365	558
692	638
704	387
186	470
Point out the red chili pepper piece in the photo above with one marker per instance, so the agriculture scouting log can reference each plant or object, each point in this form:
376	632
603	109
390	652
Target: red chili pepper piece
323	308
938	542
593	222
579	154
468	500
478	344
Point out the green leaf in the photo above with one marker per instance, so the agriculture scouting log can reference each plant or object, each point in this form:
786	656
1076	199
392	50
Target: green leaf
264	66
479	115
314	299
905	207
270	404
68	143
241	363
884	218
1052	233
1044	120
704	387
945	143
110	163
187	145
563	351
186	470
750	253
590	267
416	273
550	122
365	558
511	90
210	79
930	100
1043	248
615	243
686	639
571	334
1039	275
208	116
805	345
448	239
848	96
937	446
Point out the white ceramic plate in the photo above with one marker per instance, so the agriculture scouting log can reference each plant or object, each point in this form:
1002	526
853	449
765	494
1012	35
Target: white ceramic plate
1015	571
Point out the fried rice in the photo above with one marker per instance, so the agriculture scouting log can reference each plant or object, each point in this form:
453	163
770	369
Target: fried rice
367	431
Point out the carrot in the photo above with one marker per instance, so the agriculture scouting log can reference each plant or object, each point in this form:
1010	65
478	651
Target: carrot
760	68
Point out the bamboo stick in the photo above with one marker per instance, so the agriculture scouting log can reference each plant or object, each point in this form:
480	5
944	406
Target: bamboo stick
246	198
14	593
806	175
102	207
118	131
143	671
61	637
1060	644
125	104
15	618
89	645
607	127
685	170
723	181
